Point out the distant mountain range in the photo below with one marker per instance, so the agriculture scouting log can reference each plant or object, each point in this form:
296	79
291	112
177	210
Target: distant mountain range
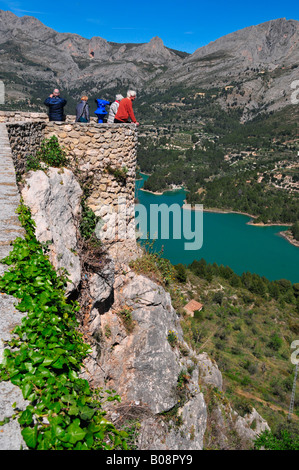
257	64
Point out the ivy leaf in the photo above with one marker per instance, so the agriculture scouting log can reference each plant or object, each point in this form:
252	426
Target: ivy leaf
36	358
27	304
26	417
75	433
47	361
26	390
57	431
86	413
73	410
59	363
30	436
69	399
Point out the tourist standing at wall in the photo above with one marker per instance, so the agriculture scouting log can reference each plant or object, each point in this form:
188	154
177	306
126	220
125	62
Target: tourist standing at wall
55	104
125	109
114	108
82	110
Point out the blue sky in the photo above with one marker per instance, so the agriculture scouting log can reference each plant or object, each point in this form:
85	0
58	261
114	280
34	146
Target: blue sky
183	25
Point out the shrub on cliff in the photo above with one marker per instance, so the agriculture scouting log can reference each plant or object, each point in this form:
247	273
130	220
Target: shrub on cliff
50	153
283	440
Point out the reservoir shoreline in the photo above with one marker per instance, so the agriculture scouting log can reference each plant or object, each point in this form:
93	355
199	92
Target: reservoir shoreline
285	234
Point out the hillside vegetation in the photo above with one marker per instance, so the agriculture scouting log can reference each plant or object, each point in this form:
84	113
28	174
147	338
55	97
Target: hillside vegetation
246	325
251	167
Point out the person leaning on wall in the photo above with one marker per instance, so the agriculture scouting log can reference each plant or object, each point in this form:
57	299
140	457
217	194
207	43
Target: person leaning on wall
125	109
113	109
82	110
55	104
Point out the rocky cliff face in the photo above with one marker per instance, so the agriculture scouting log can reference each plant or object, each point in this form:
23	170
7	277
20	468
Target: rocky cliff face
259	63
71	60
55	202
128	318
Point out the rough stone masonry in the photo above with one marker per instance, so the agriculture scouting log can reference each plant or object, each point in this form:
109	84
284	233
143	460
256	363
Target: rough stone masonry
10	435
104	154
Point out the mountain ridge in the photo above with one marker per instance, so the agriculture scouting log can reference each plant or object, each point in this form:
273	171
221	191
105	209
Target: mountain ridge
259	62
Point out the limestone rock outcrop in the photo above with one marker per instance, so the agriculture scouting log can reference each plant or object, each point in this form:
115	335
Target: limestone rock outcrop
136	338
143	366
54	198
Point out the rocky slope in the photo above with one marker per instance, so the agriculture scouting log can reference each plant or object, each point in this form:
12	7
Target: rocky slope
170	396
259	63
32	53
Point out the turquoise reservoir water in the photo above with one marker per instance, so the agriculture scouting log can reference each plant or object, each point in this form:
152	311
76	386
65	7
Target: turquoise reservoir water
227	240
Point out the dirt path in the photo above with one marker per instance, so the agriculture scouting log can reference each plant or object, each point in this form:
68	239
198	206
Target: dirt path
273	407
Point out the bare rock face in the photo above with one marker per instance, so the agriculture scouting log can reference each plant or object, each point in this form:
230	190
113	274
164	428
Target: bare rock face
210	374
252	424
144	368
162	382
54	198
10	436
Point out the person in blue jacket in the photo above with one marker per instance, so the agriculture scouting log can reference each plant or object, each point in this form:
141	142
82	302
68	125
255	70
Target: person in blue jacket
55	104
101	110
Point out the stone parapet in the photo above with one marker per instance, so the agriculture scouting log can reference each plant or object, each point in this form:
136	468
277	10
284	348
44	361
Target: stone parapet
25	139
24	116
21	116
103	154
106	154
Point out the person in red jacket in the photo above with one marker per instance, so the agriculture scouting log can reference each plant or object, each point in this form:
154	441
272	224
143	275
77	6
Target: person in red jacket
125	109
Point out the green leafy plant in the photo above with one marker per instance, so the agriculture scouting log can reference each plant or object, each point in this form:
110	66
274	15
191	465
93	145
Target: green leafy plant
283	441
172	338
45	354
120	174
126	316
153	265
33	163
183	379
50	153
88	222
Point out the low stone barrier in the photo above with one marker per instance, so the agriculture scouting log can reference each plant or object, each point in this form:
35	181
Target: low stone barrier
105	154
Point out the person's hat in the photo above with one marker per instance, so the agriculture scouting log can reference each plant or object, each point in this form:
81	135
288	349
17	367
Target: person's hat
119	97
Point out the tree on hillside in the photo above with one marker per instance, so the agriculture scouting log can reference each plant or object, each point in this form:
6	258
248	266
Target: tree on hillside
295	230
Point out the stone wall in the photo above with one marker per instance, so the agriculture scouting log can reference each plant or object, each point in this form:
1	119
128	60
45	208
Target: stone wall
25	139
20	116
23	116
105	154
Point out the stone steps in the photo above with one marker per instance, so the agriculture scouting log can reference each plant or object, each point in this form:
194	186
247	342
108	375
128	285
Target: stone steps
10	228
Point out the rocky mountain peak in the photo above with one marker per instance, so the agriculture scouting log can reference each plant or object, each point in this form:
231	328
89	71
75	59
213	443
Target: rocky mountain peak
156	42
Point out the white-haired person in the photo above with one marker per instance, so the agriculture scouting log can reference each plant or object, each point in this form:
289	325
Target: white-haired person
125	109
113	108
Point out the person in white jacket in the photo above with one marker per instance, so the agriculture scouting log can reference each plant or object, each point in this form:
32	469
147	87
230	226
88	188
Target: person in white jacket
113	109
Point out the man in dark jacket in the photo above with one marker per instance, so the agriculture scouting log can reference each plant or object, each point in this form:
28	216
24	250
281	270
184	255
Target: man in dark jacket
55	104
